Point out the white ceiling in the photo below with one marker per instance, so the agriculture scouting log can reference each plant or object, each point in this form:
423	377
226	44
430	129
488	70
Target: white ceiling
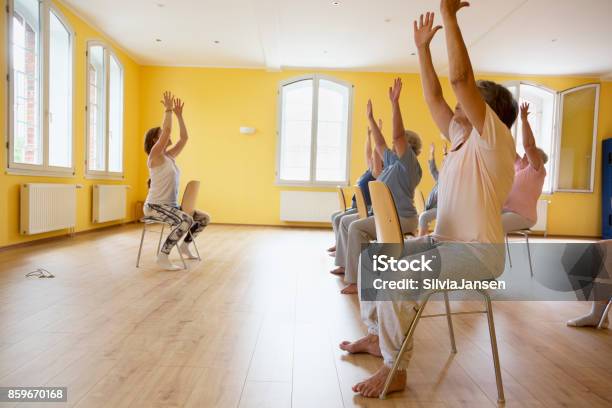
540	37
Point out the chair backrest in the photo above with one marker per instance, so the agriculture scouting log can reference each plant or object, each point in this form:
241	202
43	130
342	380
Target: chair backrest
362	208
189	197
388	227
419	200
341	198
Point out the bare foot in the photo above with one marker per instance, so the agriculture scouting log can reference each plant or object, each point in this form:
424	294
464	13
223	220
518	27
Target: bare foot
349	289
332	254
367	344
373	386
331	249
338	271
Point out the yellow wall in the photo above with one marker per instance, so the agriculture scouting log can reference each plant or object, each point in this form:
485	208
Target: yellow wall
9	184
238	171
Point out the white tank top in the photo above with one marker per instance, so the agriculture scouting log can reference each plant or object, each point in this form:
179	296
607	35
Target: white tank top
164	183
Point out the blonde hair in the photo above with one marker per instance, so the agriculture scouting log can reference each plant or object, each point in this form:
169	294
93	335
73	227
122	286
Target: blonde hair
414	141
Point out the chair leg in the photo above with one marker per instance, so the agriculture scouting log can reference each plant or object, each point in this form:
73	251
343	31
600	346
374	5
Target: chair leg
496	364
409	335
144	229
508	251
449	320
194	245
529	254
161	235
604	316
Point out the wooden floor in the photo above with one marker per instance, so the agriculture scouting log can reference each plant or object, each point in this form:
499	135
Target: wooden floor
256	324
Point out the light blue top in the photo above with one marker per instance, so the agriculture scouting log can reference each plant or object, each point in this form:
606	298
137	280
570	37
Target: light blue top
402	175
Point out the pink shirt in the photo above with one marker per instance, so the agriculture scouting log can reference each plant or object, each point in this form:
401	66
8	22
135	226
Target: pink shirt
527	188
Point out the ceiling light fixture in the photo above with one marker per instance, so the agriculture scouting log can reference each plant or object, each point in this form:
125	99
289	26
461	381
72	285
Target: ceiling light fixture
217	41
335	3
158	40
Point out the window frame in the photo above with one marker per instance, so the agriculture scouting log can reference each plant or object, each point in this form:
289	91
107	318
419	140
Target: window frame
45	8
557	131
312	182
109	52
559	135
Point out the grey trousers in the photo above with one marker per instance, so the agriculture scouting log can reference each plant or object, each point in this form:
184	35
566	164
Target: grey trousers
353	233
337	217
391	319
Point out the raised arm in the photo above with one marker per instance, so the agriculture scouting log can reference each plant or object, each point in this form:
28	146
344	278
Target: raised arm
380	145
442	114
460	68
178	111
368	149
159	147
433	169
529	143
377	163
399	140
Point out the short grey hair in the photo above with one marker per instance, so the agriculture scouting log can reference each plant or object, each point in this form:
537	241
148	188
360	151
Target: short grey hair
414	141
543	155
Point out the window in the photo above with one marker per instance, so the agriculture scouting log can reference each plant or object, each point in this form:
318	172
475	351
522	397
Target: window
565	127
314	134
104	112
541	119
40	89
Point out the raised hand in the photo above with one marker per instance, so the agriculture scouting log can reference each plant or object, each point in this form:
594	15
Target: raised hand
178	107
432	149
524	110
452	7
424	30
168	101
369	110
395	90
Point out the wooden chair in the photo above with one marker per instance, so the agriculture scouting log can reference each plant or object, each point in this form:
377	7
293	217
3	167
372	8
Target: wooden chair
187	205
362	208
341	198
389	231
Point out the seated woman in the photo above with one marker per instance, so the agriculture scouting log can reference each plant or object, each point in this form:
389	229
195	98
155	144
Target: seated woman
374	169
431	205
474	183
162	200
401	173
520	208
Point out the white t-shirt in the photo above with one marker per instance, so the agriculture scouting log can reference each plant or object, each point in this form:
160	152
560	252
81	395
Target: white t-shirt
474	184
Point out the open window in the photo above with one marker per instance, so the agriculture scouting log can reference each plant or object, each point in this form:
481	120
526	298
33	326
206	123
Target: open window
565	127
577	141
314	131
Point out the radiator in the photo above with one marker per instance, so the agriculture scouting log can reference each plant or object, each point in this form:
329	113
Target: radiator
307	206
47	207
542	209
109	202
